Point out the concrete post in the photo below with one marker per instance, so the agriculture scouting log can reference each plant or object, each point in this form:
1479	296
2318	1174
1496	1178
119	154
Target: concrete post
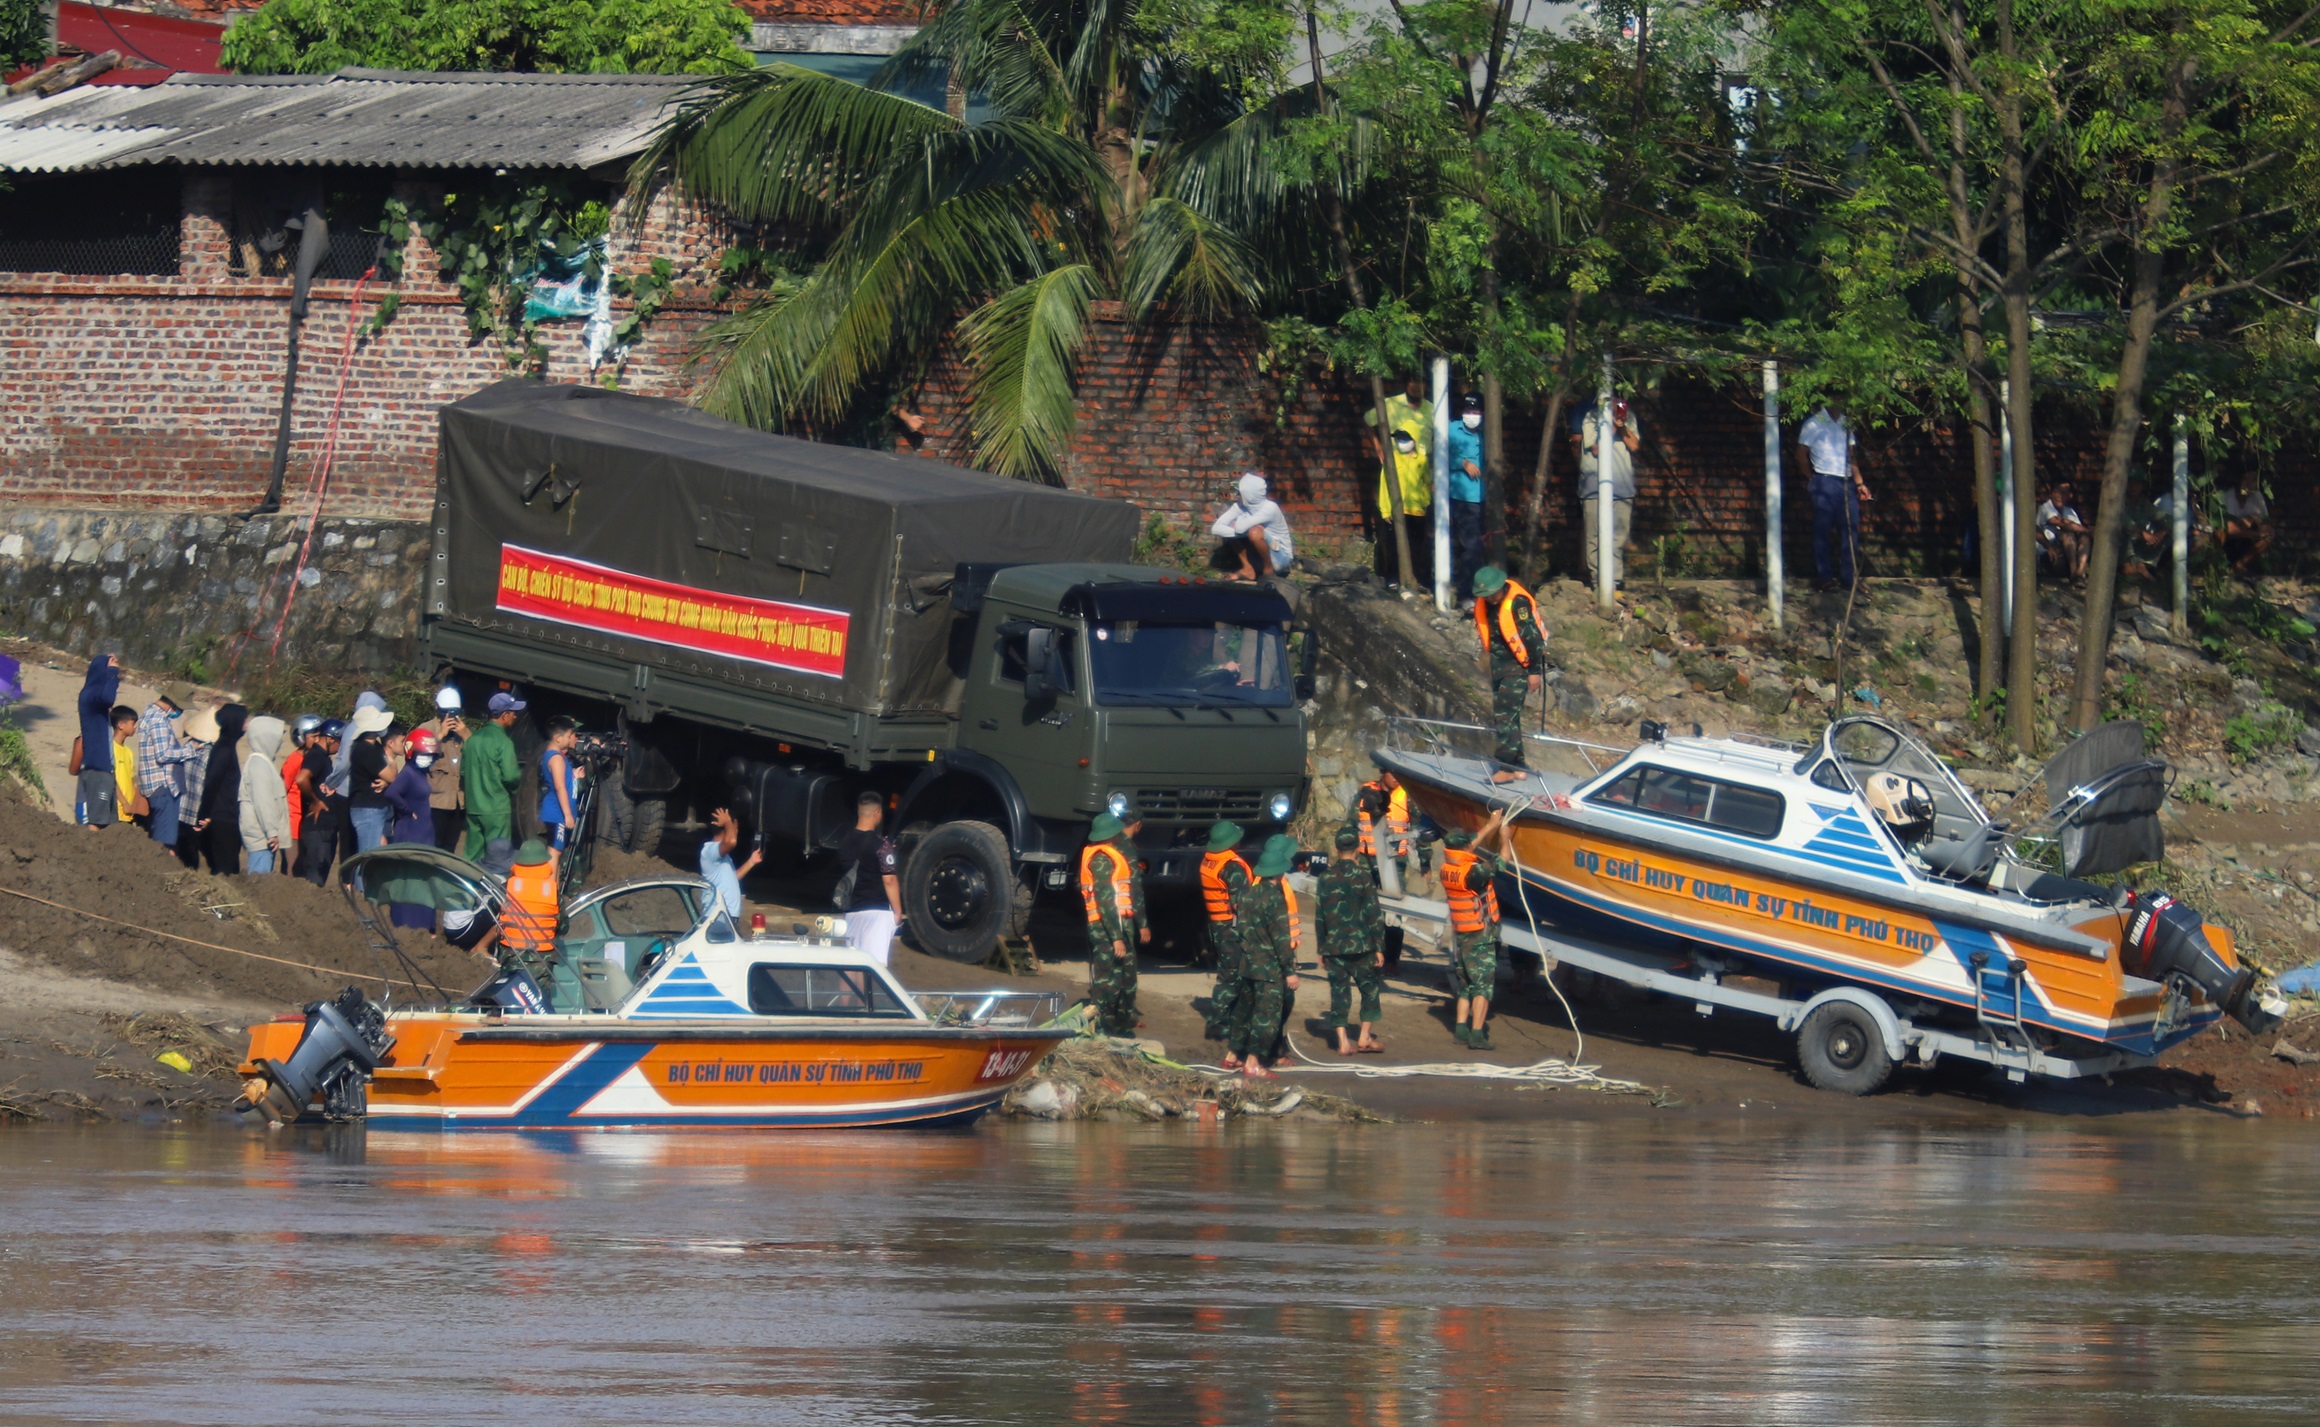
2180	620
2006	497
1606	433
1444	599
1774	573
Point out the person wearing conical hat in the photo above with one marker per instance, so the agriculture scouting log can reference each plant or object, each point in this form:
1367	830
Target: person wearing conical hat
1224	873
1352	932
1266	914
1113	888
1514	658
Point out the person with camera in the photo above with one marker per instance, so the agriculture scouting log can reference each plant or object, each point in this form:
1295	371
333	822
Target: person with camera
446	802
869	888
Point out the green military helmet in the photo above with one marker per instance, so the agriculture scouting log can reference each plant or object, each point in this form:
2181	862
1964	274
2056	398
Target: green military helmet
534	853
1280	848
1457	837
1348	837
1488	581
1105	828
1223	836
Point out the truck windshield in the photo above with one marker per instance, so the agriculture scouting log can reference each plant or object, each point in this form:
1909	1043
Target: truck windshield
1171	664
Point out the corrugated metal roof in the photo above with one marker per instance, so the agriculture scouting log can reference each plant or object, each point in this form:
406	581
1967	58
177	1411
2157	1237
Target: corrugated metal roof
369	118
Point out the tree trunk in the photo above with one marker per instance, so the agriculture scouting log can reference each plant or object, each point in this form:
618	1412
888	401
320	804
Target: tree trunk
1333	214
1493	422
2102	562
2022	660
1536	538
1990	672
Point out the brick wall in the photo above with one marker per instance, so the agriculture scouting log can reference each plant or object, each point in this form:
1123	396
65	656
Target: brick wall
1170	415
163	393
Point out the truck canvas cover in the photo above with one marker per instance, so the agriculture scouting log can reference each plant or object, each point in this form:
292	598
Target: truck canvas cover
662	536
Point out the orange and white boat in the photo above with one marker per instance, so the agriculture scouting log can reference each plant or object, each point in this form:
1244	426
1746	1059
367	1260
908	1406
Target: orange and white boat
656	1010
1895	918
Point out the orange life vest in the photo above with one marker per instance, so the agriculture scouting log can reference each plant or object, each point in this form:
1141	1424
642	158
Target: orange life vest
1397	821
528	920
1469	911
1506	601
1212	887
1289	895
1123	882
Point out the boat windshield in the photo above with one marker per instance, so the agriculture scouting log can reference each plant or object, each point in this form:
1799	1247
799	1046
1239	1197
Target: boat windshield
1175	664
779	989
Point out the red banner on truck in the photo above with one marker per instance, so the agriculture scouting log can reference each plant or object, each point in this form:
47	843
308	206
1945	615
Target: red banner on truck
567	591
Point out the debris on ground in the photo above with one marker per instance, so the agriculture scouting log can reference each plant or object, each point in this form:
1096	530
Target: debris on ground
1097	1078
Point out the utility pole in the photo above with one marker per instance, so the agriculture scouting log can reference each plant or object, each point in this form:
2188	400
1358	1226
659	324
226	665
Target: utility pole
2180	519
1774	558
1606	434
1444	600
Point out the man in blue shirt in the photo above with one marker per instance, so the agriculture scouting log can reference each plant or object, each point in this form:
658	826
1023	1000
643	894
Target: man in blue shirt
717	861
1466	492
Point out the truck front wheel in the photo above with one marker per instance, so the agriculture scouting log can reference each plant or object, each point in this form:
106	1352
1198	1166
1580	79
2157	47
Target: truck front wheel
958	890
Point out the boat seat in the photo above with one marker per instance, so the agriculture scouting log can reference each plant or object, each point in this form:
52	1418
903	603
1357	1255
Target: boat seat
603	984
1968	858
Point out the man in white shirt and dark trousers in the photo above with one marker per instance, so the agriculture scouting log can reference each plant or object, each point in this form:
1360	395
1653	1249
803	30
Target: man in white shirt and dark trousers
1620	450
1826	444
868	891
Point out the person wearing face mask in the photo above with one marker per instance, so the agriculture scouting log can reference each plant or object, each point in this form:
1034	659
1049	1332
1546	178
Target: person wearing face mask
412	819
1466	492
1253	534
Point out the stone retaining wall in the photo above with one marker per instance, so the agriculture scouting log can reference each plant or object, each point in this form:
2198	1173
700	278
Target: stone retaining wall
163	589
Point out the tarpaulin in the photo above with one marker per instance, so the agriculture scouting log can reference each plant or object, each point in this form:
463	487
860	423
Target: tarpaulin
663	536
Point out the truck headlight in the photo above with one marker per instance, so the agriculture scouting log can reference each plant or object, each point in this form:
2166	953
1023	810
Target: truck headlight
1117	806
1280	805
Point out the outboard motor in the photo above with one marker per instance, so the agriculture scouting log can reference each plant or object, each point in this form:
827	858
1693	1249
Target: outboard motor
345	1040
2166	938
514	992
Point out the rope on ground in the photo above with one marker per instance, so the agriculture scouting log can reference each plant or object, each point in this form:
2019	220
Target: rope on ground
211	945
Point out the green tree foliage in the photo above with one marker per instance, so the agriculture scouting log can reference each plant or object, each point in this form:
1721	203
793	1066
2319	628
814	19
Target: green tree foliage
556	36
1120	156
23	33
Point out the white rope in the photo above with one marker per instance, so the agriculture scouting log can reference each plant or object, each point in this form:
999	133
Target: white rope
1547	1071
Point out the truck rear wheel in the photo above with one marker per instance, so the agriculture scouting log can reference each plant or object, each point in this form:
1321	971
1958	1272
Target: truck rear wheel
1841	1049
958	890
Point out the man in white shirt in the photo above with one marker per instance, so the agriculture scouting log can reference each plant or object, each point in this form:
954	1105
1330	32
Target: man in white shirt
2062	531
1626	437
1254	532
1826	447
2247	524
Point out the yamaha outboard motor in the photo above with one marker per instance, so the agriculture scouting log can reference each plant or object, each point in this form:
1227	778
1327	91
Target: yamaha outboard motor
514	992
2166	938
345	1040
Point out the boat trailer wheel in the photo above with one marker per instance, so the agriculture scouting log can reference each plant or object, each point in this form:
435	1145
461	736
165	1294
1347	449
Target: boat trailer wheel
1840	1048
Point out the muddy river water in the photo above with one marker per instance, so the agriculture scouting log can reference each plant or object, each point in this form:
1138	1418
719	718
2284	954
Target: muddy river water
1641	1271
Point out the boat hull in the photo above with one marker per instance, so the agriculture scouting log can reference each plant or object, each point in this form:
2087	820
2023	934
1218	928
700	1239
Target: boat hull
460	1071
1594	877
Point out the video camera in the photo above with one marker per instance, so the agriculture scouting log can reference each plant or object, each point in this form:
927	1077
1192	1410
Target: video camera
598	751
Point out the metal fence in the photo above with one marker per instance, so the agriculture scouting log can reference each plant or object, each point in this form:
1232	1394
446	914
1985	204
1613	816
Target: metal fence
151	253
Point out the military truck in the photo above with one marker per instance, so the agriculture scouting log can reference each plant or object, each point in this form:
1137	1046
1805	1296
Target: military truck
777	625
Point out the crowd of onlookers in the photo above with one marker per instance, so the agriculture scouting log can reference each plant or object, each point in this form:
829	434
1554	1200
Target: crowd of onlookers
238	792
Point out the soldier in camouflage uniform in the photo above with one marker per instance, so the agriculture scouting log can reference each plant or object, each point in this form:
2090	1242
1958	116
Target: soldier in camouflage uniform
1223	875
1113	887
1513	654
1353	933
1469	881
1268	962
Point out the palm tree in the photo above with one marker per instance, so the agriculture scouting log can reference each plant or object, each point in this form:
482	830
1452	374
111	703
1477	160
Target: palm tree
1118	157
